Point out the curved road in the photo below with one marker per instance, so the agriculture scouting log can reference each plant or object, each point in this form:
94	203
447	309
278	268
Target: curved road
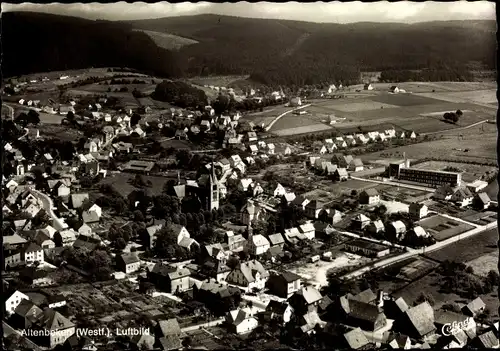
283	114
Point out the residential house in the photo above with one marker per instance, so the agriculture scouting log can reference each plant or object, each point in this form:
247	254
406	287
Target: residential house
219	298
376	227
397	229
254	150
360	221
340	142
289	197
270	149
418	211
369	197
395	308
128	263
481	201
25	314
444	320
368	87
32	253
178	280
251	136
356	339
444	192
249	275
235	242
308	322
394	89
419	321
279	190
280	311
364	315
276	240
77	200
340	175
301	202
250	212
413	135
356	165
418	231
284	284
462	197
488	340
305	300
65	237
183	237
241	321
474	308
60	328
307	230
258	245
244	184
13	301
477	185
225	165
399	341
250	160
313	208
85	229
215	269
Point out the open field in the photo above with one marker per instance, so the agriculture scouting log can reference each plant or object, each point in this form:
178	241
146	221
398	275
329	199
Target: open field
423	87
482	265
177	144
168	41
470	173
487	97
481	142
59	131
364	106
302	130
103	88
442	228
218	81
404	99
468	249
121	182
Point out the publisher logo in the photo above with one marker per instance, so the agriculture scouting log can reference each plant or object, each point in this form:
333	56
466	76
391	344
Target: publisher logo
455	327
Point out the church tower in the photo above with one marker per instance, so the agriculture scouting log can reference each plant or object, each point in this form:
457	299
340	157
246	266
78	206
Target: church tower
213	198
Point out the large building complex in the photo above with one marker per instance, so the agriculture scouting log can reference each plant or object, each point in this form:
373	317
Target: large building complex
403	171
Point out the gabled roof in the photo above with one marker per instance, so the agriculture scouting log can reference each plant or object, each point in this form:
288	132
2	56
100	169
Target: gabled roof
371	192
476	305
276	239
27	308
356	339
171	342
277	307
484	198
488	340
422	318
290	277
249	268
310	294
306	228
419	231
179	273
170	327
129	258
53	320
363	311
398	225
365	296
361	218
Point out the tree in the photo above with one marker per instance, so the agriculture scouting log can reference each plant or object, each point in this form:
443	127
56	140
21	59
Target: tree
134	120
33	117
459	113
425	297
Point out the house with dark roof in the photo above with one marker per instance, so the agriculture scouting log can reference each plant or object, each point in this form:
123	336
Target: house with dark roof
280	311
364	315
313	208
487	340
25	314
395	308
418	211
219	298
369	197
462	197
308	321
481	201
284	284
215	269
305	300
59	326
178	280
128	262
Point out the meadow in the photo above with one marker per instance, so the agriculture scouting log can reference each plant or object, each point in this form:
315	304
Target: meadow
168	41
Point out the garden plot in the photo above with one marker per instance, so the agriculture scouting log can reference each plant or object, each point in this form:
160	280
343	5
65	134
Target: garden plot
487	97
442	228
482	265
416	269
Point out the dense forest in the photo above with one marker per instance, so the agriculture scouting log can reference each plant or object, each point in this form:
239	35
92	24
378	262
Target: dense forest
35	42
180	94
273	52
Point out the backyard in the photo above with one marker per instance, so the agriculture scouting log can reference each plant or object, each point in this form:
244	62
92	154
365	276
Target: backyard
442	228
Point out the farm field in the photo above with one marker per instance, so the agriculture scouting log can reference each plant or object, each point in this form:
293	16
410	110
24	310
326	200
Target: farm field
302	129
470	173
404	99
423	87
218	81
442	228
482	265
481	145
468	249
487	97
416	269
168	41
103	88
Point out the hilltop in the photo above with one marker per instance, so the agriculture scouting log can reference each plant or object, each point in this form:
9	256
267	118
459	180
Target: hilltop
274	52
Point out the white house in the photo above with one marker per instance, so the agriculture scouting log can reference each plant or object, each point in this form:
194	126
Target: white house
258	245
13	301
241	321
249	275
308	230
418	211
244	184
279	190
129	263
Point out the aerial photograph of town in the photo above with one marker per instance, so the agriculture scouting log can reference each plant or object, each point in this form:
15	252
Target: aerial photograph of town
249	176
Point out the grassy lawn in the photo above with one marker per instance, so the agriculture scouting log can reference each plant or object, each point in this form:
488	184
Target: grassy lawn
121	182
